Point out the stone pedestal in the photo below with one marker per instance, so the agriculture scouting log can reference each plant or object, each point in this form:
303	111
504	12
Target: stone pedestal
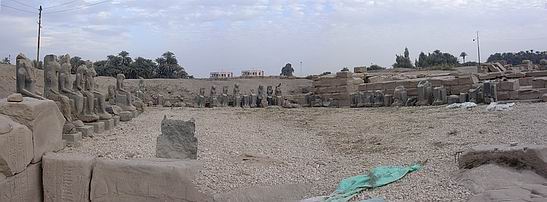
108	124
25	186
87	131
116	120
126	116
43	118
98	127
73	139
67	177
16	150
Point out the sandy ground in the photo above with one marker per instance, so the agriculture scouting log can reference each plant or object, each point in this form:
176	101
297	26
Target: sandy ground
320	146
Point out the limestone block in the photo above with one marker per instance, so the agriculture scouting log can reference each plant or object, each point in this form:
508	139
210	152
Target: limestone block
108	124
344	74
126	116
73	139
453	99
98	127
43	118
515	75
508	95
87	131
116	120
509	85
67	177
177	140
25	186
528	94
527	81
536	74
16	149
145	180
539	82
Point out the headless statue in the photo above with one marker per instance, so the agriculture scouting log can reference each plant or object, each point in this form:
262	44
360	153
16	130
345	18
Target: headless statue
51	86
123	97
100	103
237	96
66	87
25	77
81	84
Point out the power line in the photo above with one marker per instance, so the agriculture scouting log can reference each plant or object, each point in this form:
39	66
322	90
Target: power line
14	8
24	4
78	8
66	3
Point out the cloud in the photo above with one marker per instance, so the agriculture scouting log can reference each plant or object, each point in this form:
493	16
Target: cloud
209	35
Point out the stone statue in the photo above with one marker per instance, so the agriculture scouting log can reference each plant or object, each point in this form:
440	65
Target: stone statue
123	97
141	89
261	97
424	93
224	97
25	77
66	86
236	96
440	96
378	98
400	96
111	96
213	100
51	89
253	99
81	84
278	98
200	98
100	103
269	95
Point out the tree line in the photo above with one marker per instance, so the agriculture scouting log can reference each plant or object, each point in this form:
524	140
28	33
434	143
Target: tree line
166	66
517	58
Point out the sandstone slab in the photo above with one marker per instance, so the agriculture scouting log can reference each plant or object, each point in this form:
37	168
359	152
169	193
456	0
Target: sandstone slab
116	120
67	177
16	150
126	116
145	180
43	118
87	131
177	140
73	139
25	186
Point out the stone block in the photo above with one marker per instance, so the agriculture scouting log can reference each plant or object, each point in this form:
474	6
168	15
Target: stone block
536	74
334	89
16	97
108	124
87	131
116	120
73	139
43	118
25	186
515	75
539	82
126	116
527	81
177	140
544	97
509	85
528	94
66	177
360	69
449	82
344	74
98	127
453	99
16	150
508	95
145	180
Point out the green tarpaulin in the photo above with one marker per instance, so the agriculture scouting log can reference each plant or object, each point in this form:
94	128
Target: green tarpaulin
379	176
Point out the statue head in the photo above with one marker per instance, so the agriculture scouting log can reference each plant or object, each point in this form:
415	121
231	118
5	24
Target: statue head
64	59
22	61
120	77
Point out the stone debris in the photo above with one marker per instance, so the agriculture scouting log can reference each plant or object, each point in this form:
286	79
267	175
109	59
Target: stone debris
177	140
16	97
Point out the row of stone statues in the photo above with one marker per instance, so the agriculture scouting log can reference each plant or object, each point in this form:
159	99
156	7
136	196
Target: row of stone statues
262	98
79	100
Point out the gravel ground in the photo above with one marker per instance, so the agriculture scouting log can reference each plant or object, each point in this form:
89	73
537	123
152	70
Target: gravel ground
320	146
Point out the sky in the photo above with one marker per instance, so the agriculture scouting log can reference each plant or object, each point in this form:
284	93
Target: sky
234	35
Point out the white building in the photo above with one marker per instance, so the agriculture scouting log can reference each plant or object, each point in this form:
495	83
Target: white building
221	75
252	73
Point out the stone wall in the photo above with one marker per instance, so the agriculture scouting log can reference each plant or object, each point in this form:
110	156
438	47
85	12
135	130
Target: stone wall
337	89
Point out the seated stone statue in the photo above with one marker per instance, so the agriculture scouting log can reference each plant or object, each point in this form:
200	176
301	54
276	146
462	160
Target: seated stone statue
100	103
140	91
278	98
25	77
224	97
81	84
269	95
236	100
200	98
51	90
261	97
123	97
253	99
66	87
213	100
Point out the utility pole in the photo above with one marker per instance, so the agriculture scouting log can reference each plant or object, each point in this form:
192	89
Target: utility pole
479	49
39	32
301	68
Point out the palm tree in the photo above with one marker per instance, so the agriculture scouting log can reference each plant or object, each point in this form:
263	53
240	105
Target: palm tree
463	55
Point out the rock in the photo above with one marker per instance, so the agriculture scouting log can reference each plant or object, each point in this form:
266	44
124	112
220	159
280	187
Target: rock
113	109
43	118
98	127
16	97
25	186
167	104
145	180
66	177
177	140
126	116
108	124
16	150
87	131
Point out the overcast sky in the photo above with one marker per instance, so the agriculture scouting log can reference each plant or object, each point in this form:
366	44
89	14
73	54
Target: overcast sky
233	35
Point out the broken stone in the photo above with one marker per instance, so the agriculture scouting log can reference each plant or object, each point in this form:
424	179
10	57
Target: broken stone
113	109
126	116
108	124
177	140
16	97
25	186
73	139
424	93
167	104
16	149
145	180
98	127
66	177
43	118
453	99
87	131
440	96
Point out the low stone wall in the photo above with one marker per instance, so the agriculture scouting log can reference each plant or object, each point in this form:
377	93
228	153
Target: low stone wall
336	89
